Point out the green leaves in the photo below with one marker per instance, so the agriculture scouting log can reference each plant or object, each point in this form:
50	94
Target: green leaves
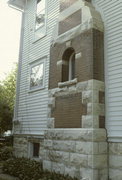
26	169
7	98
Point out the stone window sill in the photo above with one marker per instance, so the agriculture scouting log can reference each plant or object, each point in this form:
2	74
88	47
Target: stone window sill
67	83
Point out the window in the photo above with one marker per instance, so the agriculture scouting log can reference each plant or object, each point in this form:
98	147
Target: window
37	76
72	66
36	147
68	67
40	14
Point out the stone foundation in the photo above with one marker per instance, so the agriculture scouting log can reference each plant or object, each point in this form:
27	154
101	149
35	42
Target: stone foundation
115	161
81	153
22	147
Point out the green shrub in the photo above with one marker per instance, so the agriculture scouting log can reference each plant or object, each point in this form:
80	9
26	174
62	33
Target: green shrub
26	169
22	168
6	152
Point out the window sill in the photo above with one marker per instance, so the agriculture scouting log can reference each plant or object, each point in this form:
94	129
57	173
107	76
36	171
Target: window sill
67	83
36	89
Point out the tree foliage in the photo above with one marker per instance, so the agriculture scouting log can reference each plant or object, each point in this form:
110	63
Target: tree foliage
7	98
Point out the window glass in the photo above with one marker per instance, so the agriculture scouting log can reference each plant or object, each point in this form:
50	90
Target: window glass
37	75
40	13
68	67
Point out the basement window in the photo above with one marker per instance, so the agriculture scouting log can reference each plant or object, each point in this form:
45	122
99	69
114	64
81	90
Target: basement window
36	147
68	65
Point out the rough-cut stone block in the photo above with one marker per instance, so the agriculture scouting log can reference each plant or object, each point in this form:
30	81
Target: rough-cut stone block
68	44
82	86
98	85
86	147
97	161
103	174
96	109
89	174
115	161
59	156
90	121
78	55
86	96
78	160
115	174
99	135
58	168
47	165
103	147
51	102
50	123
68	146
76	134
115	148
72	171
48	144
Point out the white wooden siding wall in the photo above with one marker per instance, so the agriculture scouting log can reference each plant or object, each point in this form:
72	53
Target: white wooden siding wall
32	108
111	11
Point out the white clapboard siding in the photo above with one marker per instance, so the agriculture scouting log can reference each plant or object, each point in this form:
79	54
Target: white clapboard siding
111	12
32	106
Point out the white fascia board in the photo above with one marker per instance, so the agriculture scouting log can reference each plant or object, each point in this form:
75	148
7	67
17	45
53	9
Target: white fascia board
19	4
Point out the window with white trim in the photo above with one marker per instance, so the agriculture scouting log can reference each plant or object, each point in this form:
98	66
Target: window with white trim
68	65
40	14
37	75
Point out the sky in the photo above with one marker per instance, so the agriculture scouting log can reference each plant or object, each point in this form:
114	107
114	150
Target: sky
10	26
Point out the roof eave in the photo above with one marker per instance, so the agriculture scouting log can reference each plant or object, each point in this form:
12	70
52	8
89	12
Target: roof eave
18	4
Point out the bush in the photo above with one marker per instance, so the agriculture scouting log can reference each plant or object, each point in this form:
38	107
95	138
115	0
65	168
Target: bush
26	169
6	152
22	168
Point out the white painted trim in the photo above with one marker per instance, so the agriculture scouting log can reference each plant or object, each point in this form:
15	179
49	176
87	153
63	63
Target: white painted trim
19	68
41	31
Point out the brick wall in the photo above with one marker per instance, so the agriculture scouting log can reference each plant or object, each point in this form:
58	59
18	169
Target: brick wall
91	63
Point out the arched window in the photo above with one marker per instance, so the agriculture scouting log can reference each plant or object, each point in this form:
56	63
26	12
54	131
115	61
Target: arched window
68	67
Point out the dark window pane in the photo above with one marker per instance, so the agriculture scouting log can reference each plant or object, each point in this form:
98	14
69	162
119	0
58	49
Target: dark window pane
73	67
35	149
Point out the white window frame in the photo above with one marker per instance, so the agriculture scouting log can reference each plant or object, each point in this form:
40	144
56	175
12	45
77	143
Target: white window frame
38	13
41	31
33	64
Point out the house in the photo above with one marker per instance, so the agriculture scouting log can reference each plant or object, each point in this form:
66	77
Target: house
68	111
